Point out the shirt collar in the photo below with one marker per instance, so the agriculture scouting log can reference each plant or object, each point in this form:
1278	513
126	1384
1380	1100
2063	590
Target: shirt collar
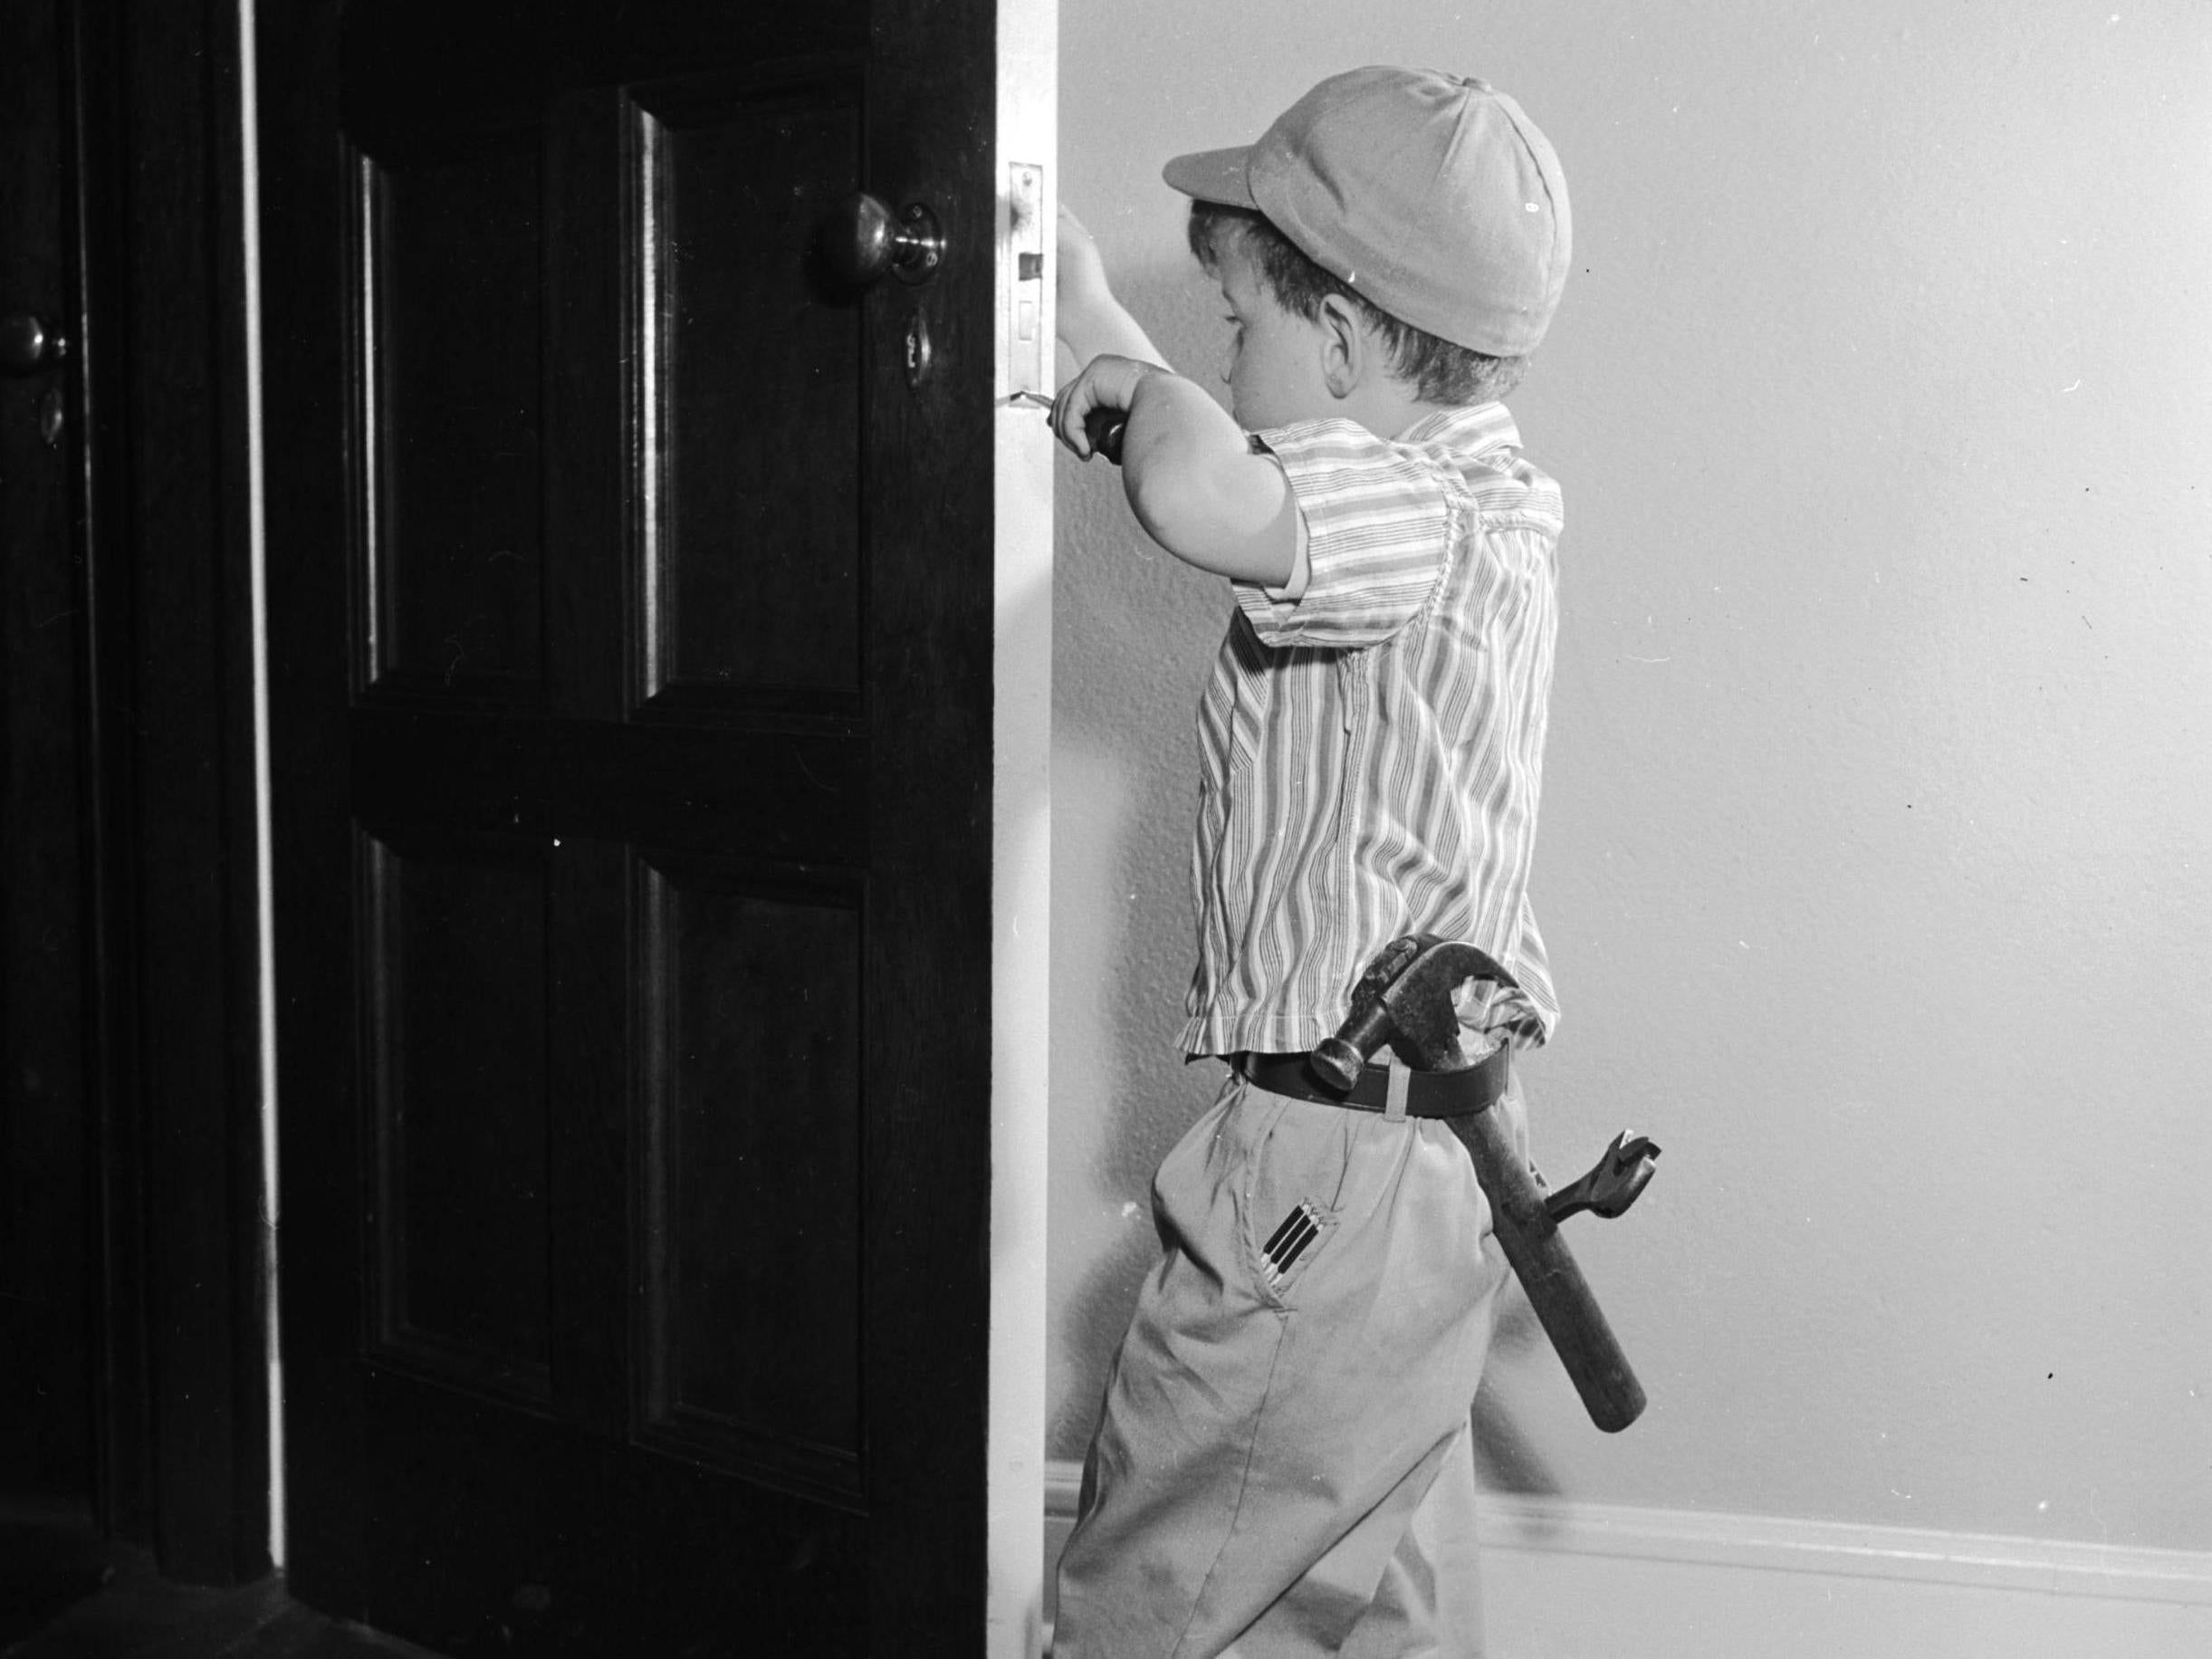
1472	427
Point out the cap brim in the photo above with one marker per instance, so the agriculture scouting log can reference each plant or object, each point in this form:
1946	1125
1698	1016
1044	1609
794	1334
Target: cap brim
1214	176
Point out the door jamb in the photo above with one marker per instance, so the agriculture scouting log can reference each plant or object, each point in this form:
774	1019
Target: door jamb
1028	72
1021	869
180	1400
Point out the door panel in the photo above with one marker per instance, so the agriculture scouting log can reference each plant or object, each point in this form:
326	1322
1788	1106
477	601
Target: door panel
632	620
755	512
750	1138
456	1085
449	322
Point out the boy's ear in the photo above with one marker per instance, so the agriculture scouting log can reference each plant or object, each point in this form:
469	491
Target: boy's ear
1346	353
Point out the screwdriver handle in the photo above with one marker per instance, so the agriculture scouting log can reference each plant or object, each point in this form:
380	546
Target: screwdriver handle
1104	427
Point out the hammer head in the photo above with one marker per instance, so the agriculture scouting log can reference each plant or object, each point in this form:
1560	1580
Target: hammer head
1404	999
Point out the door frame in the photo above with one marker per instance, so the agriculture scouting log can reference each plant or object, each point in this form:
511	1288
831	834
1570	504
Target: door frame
1021	837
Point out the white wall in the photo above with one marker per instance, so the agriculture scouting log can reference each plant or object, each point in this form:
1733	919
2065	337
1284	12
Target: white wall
1874	860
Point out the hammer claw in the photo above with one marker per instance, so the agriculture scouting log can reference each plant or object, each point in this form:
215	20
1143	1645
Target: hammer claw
1618	1181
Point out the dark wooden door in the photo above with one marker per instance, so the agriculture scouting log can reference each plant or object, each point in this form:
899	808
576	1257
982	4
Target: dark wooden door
631	660
46	1278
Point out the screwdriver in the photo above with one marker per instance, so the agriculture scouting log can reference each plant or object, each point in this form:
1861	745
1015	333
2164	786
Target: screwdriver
1102	426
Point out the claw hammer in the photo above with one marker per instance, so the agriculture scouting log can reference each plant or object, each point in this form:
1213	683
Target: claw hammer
1404	1000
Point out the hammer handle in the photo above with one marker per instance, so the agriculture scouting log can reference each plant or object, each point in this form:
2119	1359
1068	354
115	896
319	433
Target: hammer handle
1556	1287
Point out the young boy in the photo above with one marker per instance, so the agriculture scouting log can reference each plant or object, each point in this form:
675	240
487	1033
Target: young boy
1283	1465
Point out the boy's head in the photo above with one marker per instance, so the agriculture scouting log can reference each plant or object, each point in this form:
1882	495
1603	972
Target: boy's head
1432	203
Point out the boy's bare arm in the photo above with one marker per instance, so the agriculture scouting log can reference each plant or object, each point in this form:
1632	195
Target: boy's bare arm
1191	479
1092	322
1189	472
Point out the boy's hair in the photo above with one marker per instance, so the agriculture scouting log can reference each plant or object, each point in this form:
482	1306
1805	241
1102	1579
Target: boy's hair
1439	370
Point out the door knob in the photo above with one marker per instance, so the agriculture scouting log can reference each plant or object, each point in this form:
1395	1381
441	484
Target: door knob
862	241
27	346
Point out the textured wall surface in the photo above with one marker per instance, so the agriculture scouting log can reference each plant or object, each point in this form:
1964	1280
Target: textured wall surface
1874	864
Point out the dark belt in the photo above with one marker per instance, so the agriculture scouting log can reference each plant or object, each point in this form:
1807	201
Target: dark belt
1429	1094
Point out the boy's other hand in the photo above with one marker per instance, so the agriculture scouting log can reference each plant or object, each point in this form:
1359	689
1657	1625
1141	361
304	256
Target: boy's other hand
1092	322
1082	286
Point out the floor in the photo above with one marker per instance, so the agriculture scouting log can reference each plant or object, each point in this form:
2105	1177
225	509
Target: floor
67	1594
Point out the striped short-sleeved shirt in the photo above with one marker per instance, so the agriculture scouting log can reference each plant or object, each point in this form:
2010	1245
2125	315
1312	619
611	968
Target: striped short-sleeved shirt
1371	749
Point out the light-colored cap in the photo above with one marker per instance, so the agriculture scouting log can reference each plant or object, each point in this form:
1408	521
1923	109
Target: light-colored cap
1432	194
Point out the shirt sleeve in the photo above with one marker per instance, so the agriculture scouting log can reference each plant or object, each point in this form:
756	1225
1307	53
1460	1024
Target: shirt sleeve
1378	519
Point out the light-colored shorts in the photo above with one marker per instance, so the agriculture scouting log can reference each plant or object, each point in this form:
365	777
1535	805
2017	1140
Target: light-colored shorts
1283	1466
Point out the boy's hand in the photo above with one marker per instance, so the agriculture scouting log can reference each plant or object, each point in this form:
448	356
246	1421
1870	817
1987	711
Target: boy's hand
1091	320
1106	383
1082	287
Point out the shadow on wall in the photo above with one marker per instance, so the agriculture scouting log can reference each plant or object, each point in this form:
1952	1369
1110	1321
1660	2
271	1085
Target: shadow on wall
1134	634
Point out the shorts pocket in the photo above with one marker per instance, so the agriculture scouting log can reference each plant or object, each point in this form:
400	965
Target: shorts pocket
1289	1192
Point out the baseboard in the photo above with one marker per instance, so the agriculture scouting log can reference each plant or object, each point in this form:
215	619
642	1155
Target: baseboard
1774	1543
1572	1578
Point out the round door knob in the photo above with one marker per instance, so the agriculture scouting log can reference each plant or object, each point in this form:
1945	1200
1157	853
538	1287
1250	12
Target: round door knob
863	240
27	346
